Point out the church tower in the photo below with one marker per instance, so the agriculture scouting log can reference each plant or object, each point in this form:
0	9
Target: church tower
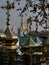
11	39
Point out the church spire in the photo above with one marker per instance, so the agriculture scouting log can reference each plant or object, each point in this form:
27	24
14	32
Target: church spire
8	7
11	38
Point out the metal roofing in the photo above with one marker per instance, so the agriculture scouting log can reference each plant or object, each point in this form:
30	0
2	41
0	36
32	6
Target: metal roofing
33	41
9	33
2	35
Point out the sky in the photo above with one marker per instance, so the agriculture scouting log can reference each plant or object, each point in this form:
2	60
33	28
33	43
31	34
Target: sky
15	20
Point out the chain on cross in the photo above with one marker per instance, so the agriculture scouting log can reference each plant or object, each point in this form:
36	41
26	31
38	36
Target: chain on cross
8	7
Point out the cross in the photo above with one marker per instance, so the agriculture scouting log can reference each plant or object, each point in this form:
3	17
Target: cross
8	7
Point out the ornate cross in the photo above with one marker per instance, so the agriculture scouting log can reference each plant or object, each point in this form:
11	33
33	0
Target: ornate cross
8	7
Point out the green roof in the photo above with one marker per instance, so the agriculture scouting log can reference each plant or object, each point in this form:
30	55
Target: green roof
37	43
33	41
22	40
